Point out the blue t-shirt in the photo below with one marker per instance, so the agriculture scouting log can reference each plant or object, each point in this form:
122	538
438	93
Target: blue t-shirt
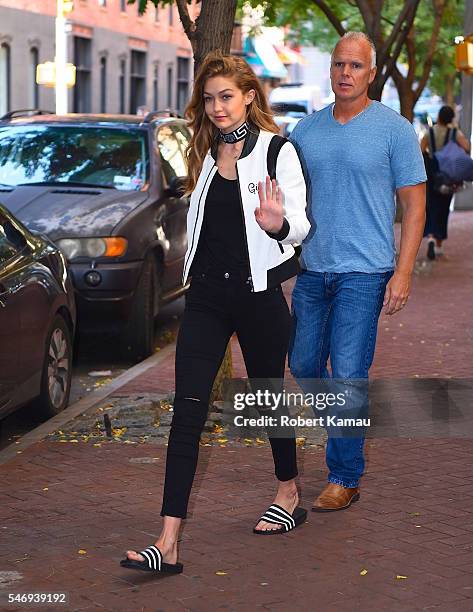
353	171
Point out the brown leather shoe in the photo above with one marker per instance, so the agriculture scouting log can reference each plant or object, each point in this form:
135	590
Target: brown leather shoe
335	497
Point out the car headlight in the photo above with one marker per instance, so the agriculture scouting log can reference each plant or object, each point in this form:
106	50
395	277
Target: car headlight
92	247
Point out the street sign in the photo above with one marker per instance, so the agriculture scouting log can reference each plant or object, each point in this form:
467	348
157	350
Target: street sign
46	74
464	56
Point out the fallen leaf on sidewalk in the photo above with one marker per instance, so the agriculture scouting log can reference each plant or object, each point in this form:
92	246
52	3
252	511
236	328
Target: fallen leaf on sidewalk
399	577
363	572
46	489
102	382
220	573
258	441
118	431
82	552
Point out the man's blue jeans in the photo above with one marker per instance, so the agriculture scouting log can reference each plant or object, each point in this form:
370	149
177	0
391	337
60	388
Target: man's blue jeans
336	315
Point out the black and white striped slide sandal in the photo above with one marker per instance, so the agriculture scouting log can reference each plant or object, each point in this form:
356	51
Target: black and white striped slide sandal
153	562
276	514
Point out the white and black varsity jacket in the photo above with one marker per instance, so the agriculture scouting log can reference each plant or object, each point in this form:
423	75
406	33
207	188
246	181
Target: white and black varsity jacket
271	257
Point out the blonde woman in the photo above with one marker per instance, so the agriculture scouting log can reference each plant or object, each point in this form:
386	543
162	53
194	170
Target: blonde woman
240	229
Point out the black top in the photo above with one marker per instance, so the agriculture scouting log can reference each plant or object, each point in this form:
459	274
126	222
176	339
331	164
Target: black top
222	246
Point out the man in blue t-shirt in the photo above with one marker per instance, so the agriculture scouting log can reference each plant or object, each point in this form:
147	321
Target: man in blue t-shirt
358	154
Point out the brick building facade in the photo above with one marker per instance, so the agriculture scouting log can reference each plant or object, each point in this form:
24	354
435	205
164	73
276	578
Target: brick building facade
123	60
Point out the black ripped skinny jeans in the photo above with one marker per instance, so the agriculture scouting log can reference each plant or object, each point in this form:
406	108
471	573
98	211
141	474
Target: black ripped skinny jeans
217	307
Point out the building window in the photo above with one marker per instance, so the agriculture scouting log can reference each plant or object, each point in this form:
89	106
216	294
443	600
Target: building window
82	89
5	70
137	80
171	15
121	85
34	88
169	86
123	6
183	64
155	87
102	2
103	84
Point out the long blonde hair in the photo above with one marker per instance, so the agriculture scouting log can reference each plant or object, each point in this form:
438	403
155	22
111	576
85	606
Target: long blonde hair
204	131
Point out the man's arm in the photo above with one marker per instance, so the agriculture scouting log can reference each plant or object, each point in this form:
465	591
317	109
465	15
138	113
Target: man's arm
412	199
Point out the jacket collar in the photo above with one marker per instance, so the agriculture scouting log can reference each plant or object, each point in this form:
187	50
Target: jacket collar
249	145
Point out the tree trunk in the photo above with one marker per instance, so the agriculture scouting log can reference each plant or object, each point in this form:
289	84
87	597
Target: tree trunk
376	89
213	29
449	83
406	100
407	97
225	372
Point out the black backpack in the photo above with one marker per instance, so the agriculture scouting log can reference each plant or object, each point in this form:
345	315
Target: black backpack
273	151
435	176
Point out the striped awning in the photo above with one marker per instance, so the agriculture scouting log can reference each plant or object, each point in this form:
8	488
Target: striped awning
263	58
290	56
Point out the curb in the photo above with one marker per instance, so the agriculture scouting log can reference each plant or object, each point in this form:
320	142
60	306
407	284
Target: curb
85	403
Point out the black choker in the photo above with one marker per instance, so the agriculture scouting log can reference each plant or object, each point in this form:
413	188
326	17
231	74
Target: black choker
235	136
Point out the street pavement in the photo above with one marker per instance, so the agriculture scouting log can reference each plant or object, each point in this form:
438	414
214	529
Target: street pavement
74	502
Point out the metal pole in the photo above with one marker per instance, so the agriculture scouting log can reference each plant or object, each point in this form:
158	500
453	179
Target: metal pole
61	60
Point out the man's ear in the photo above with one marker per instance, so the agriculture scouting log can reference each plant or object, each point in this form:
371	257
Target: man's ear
372	74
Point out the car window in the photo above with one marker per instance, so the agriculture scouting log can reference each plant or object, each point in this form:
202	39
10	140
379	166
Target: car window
183	136
89	155
11	241
172	157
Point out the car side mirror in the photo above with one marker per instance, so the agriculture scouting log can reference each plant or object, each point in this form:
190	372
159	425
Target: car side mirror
177	187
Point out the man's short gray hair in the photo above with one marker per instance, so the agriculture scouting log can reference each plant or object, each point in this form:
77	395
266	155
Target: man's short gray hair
359	36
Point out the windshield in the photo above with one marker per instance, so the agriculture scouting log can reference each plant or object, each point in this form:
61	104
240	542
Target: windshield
101	156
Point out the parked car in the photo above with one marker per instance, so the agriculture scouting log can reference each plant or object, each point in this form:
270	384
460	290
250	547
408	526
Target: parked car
37	320
107	189
303	98
286	118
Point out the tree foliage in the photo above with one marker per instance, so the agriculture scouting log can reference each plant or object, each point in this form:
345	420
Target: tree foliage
406	34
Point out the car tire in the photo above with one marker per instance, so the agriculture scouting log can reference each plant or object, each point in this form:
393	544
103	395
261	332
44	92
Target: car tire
57	370
138	337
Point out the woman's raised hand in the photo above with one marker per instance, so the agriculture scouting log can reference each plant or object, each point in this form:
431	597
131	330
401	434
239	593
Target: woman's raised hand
270	214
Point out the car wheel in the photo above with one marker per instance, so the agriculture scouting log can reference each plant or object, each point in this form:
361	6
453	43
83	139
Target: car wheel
57	369
138	337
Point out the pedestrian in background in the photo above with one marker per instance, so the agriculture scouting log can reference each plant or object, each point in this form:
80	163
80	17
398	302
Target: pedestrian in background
439	195
239	252
359	154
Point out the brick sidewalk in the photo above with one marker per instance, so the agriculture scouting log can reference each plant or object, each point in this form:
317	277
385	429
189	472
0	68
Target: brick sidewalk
412	530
